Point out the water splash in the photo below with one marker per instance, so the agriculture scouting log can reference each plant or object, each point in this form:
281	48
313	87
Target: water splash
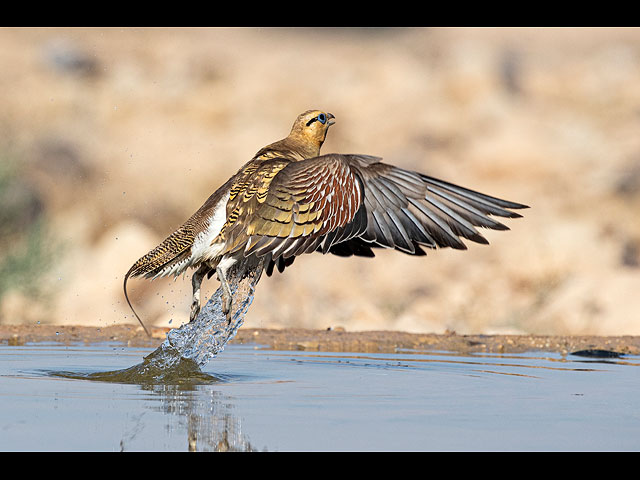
205	337
188	348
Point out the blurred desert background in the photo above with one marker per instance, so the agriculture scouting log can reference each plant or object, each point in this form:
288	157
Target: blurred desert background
111	137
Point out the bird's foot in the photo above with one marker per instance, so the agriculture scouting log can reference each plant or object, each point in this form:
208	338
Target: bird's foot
226	307
226	293
196	282
195	309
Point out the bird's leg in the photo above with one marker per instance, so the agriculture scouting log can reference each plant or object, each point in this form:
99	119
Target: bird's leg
226	292
196	281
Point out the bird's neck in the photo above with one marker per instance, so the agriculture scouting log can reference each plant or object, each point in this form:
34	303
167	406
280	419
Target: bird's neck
294	147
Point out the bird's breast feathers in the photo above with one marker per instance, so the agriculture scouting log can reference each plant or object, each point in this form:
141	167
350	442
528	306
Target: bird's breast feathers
205	247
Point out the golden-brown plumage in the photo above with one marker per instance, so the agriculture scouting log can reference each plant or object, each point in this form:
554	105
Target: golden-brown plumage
289	200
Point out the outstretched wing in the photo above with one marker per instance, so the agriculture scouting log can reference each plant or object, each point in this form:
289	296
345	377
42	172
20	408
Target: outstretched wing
406	210
347	204
303	205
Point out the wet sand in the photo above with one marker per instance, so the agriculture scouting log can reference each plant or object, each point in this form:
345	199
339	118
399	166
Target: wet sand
336	340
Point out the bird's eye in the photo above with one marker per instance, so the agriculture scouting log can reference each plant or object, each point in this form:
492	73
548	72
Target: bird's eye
322	118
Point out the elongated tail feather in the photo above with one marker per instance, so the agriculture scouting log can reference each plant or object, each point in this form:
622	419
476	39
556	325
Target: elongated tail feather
126	295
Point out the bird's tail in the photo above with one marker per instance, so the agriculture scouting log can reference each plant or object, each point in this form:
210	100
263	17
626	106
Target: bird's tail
170	257
126	295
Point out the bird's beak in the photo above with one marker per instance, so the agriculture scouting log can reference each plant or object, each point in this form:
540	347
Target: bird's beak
330	118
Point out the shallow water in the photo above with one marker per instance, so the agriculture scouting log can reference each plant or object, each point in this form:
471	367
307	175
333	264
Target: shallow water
256	399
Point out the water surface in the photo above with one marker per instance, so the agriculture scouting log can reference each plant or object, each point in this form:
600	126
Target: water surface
52	398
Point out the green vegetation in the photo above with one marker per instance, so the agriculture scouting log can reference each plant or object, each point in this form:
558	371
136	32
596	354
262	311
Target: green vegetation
26	249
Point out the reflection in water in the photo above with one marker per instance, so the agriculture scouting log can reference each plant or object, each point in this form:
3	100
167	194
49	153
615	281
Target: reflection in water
208	415
187	402
416	359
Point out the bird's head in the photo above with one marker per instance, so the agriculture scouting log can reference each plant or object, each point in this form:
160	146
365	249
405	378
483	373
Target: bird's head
312	126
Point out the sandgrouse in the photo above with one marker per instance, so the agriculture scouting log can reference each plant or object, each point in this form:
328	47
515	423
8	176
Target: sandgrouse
289	200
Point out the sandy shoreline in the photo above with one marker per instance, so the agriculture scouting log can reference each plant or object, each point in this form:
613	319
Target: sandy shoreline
331	340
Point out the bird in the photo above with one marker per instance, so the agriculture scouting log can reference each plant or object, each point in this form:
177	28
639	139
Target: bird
290	199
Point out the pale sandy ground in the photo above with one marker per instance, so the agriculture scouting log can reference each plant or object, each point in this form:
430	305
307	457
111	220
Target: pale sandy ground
128	141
